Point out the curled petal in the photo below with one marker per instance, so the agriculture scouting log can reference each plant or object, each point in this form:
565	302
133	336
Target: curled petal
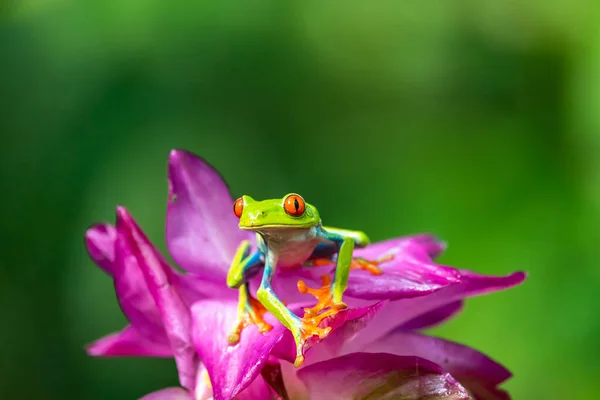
408	270
100	242
133	293
477	372
202	231
423	246
231	368
113	254
410	273
129	343
173	312
396	313
362	376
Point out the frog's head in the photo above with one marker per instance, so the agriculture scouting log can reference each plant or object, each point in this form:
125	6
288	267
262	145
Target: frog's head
291	211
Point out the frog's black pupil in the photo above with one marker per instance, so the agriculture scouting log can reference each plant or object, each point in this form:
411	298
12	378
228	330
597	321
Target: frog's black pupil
296	204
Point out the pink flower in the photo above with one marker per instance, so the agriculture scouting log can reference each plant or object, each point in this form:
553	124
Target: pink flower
374	347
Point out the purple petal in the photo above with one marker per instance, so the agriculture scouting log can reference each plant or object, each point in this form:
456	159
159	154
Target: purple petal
111	252
423	246
257	390
129	343
133	293
477	372
202	231
376	376
431	244
231	368
434	317
344	325
169	394
158	275
100	243
396	313
410	273
135	298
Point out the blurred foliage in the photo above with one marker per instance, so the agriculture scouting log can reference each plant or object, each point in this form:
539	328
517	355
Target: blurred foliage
478	121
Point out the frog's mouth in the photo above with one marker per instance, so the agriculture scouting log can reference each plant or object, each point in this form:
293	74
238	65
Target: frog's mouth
258	227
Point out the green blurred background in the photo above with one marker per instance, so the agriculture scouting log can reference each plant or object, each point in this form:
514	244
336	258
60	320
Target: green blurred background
478	121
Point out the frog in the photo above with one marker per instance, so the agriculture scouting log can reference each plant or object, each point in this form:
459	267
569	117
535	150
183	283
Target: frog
290	234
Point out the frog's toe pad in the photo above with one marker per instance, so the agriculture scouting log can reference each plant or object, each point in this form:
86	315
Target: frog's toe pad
299	360
233	338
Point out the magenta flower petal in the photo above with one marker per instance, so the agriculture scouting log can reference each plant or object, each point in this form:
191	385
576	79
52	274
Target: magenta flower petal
434	317
377	376
129	343
133	293
158	275
231	368
258	390
410	273
477	372
169	394
395	313
100	242
202	231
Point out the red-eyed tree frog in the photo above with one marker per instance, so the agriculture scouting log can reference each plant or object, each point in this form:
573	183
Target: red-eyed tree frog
290	234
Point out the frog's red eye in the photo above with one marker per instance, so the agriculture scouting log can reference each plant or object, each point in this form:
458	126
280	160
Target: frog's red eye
294	205
238	207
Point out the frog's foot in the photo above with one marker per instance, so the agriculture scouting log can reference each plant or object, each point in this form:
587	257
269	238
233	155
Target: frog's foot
308	328
324	298
251	314
309	323
370	266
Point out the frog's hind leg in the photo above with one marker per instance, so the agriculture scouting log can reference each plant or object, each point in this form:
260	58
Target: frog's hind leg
301	328
250	311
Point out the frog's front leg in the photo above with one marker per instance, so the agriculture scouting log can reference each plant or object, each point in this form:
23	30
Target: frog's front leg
331	246
301	328
250	311
345	248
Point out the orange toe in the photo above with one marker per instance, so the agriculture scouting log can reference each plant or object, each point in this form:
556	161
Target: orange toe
253	315
370	266
324	308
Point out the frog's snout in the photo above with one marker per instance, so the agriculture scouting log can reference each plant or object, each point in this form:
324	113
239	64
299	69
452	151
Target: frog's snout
254	217
253	220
